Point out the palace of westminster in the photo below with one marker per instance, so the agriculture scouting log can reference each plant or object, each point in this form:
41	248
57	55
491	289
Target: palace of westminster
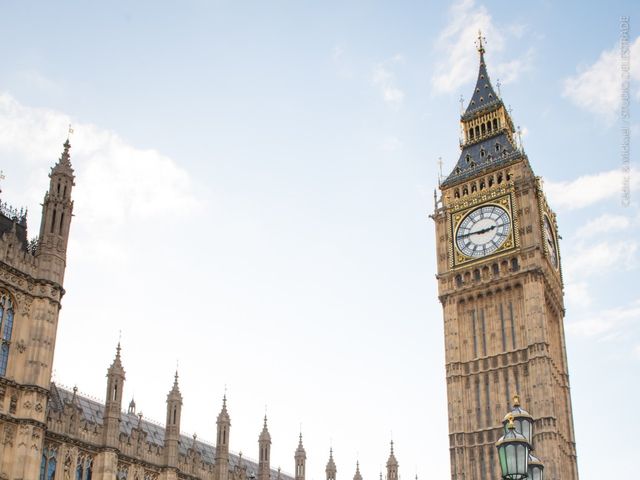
499	282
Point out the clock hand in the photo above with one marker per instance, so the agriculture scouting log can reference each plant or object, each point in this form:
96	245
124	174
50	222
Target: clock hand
484	230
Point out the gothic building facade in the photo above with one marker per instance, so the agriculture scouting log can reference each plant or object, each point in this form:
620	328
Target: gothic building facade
51	433
500	285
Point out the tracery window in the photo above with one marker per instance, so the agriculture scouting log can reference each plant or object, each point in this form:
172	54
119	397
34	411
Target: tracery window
6	328
48	464
83	468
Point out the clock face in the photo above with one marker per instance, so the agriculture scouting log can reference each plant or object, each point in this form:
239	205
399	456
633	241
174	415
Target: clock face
550	240
483	230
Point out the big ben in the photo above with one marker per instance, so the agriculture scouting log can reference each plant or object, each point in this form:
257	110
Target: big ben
501	289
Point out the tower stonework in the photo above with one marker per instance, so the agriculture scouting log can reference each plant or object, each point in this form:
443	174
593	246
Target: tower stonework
501	289
31	277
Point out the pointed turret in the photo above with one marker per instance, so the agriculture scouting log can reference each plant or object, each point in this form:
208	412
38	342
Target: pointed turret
392	465
222	445
488	133
172	425
57	210
357	475
300	458
113	403
132	407
264	444
331	470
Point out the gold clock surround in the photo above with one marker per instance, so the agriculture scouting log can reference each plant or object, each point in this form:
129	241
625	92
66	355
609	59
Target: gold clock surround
504	201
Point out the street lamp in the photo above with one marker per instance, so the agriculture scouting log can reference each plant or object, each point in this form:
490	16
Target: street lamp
522	420
513	452
536	469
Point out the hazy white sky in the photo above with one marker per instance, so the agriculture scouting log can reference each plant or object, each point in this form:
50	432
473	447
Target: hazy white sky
253	184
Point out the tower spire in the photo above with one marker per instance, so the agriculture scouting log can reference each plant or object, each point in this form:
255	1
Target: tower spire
172	425
222	445
331	469
57	210
487	129
264	444
300	458
113	402
392	465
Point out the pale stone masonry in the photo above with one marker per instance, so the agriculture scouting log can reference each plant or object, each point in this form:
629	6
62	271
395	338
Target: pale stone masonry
501	289
48	432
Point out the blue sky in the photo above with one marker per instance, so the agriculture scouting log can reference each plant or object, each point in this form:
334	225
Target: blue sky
253	185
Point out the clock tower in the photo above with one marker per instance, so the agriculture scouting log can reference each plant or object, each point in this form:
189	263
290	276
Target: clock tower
501	289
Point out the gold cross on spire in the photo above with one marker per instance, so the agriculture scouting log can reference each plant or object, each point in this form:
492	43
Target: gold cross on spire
69	132
480	42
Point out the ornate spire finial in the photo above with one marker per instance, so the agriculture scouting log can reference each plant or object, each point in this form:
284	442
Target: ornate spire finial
69	133
480	43
498	84
516	400
391	447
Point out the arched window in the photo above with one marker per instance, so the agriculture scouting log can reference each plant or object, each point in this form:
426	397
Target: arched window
48	464
458	280
514	265
53	221
6	328
495	127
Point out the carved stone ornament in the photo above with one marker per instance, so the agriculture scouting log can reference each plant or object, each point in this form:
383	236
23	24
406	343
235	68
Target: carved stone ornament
21	346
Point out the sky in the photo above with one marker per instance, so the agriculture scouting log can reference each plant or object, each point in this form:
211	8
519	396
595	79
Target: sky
253	184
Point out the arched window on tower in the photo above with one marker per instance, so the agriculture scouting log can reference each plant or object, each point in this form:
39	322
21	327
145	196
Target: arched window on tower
6	329
48	464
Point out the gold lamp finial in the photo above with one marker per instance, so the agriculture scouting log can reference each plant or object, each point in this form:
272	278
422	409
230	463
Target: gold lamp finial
511	425
516	400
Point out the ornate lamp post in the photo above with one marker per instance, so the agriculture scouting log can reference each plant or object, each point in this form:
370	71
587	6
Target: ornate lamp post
513	452
515	446
536	469
522	420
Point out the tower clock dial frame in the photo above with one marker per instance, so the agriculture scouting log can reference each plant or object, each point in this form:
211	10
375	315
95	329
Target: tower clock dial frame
484	229
550	240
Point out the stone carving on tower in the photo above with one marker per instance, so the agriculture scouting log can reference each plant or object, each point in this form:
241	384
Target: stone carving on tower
500	286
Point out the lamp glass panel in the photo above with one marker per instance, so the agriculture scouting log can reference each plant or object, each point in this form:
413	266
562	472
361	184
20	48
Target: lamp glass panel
512	459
